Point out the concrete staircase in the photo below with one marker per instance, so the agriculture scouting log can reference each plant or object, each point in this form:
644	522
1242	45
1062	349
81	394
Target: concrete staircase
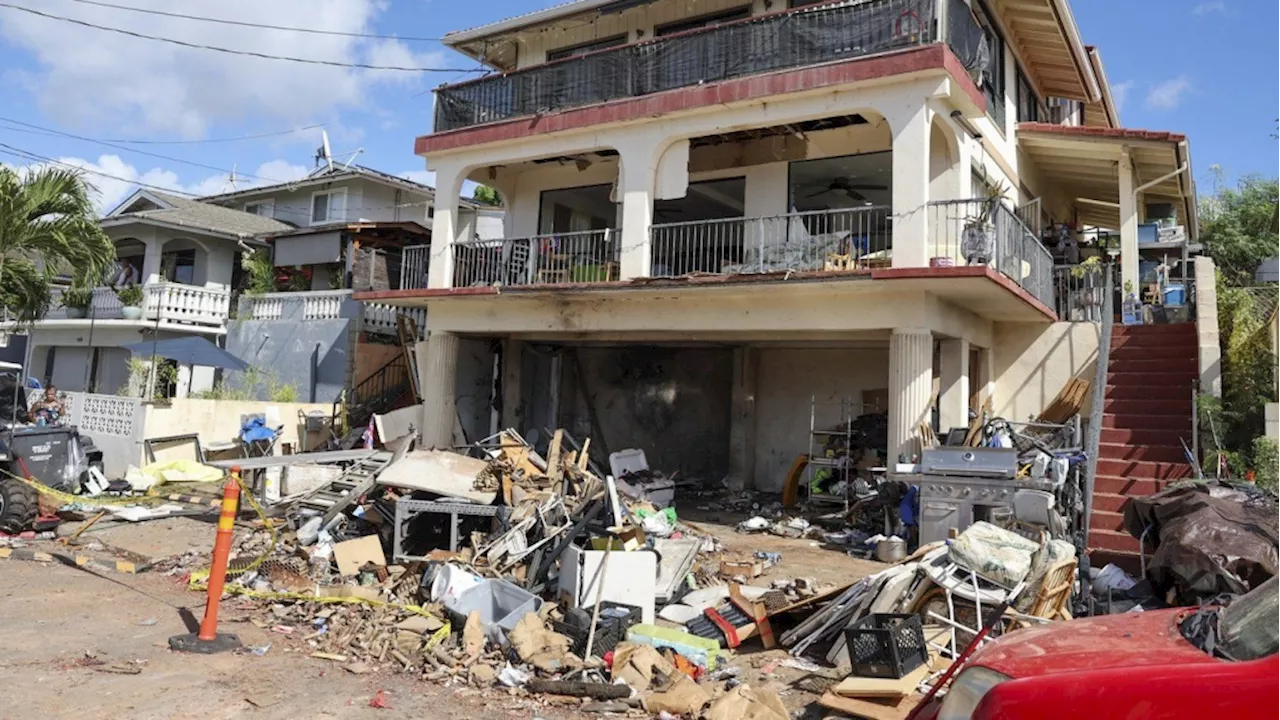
1146	416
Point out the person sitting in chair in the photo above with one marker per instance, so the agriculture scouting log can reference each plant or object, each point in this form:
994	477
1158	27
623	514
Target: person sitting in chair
49	409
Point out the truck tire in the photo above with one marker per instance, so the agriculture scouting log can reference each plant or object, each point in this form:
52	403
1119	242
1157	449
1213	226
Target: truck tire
19	505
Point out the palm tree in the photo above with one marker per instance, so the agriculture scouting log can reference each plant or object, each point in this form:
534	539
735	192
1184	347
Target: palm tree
47	224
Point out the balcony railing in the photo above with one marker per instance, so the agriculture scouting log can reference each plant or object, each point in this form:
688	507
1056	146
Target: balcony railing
326	305
768	43
171	302
845	239
988	232
1079	291
413	266
558	258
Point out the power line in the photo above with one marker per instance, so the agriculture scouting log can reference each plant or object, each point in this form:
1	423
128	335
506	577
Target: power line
240	23
130	141
248	53
109	144
28	155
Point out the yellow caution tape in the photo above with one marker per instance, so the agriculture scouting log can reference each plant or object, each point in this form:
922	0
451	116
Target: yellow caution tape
306	597
439	635
85	500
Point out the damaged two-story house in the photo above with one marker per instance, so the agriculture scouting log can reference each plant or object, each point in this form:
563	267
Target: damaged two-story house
731	223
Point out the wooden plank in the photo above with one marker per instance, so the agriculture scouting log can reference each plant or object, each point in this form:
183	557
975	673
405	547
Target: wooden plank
854	686
877	709
555	468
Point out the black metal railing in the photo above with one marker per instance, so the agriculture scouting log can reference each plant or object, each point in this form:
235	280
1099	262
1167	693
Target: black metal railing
551	259
378	391
778	41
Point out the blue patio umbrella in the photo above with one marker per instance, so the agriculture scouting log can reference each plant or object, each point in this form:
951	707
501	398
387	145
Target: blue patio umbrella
191	350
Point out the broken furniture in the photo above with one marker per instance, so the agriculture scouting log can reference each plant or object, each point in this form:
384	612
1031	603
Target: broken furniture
250	467
630	580
408	511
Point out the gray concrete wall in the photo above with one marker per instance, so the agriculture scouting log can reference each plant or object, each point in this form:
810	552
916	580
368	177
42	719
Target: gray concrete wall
475	386
787	379
673	403
312	355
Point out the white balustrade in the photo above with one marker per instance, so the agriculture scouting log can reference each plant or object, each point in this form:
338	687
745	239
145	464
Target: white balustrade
381	318
188	304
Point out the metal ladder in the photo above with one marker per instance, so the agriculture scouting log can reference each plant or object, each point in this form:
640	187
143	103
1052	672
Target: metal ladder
357	480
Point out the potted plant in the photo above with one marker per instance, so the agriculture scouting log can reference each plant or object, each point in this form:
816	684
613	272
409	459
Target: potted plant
977	240
76	300
130	297
1089	285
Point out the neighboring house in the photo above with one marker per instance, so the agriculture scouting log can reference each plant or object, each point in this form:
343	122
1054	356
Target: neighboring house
722	215
185	255
337	230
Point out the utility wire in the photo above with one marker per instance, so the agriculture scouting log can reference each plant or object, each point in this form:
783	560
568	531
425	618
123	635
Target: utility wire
109	144
28	155
127	141
221	21
248	53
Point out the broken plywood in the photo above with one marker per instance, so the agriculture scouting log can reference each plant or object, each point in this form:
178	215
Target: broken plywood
438	471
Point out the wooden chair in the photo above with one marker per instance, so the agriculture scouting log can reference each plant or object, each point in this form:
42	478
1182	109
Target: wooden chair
1051	599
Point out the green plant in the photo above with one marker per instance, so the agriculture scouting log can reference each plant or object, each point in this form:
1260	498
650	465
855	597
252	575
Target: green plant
992	197
129	295
79	298
252	384
140	378
1090	266
46	213
486	195
1266	463
259	271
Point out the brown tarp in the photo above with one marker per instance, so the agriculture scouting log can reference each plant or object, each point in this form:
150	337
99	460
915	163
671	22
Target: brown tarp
1210	538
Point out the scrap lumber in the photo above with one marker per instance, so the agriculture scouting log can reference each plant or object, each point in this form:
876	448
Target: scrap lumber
973	438
855	686
599	691
1067	403
871	709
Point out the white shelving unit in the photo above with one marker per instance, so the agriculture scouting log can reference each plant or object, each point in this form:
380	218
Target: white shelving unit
820	438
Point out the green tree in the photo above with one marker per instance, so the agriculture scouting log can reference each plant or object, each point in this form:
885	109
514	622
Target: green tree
486	195
47	225
1239	228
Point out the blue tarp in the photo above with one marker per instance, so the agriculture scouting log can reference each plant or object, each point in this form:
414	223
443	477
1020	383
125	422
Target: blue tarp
256	429
189	351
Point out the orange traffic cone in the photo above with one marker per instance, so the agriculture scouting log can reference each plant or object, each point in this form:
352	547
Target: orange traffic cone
208	640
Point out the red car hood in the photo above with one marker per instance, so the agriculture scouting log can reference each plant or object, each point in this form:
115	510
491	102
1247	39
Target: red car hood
1110	641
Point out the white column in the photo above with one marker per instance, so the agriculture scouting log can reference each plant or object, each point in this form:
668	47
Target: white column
444	226
438	380
151	260
1128	226
910	185
910	386
642	178
953	392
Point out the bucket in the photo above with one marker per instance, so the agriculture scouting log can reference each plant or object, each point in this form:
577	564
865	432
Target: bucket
450	582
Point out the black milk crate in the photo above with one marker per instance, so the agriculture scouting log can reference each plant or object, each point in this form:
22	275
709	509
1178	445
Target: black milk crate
886	645
615	620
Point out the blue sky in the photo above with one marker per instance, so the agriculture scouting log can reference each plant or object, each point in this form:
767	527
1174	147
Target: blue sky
1204	68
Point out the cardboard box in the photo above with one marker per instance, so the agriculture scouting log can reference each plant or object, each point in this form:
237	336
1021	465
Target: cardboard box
747	568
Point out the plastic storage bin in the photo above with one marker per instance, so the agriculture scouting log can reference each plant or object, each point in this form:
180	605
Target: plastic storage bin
499	602
886	645
1148	233
1175	295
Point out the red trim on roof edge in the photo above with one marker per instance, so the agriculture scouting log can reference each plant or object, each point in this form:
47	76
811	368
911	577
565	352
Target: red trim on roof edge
728	91
1102	132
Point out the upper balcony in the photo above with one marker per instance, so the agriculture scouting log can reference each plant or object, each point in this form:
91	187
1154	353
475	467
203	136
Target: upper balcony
169	303
785	40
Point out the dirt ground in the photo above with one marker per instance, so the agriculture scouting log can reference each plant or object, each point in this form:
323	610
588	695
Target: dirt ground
71	635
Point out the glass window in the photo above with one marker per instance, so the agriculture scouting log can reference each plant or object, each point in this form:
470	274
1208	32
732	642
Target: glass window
584	48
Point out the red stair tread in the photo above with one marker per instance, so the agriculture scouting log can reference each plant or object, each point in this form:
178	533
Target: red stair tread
1128	486
1142	469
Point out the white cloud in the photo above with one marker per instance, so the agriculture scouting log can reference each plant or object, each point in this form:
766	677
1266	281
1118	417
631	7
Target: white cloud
1120	93
94	79
1169	94
1204	8
125	178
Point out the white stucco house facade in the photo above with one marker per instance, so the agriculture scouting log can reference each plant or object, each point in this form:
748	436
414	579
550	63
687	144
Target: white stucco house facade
724	217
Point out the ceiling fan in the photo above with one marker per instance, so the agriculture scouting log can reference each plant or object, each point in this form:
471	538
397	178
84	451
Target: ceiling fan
846	186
